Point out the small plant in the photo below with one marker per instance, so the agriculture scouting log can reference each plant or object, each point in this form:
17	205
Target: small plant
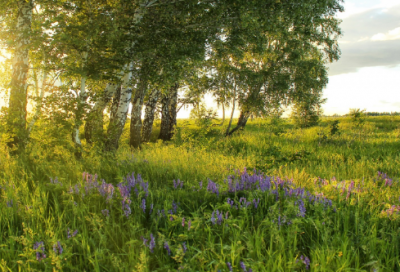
334	128
357	117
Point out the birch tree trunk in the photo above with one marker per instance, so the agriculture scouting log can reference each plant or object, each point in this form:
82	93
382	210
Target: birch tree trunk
233	111
94	122
119	113
223	115
136	115
149	115
16	121
165	119
173	103
39	104
244	116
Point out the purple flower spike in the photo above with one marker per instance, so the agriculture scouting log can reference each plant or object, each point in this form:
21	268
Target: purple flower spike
105	212
243	266
166	246
189	224
40	251
152	244
184	247
228	264
57	248
183	221
306	261
143	206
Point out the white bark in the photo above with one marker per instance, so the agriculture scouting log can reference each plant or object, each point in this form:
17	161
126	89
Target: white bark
117	121
20	64
233	111
40	102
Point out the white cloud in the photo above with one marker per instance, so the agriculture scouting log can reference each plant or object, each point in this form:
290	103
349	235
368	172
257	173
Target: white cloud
391	35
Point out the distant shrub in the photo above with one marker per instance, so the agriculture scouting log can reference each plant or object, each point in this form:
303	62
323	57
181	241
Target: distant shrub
306	114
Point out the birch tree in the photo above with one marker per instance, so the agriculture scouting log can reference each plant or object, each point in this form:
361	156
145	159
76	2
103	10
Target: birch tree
17	111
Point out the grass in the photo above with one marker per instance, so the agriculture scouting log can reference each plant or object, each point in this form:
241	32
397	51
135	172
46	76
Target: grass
315	201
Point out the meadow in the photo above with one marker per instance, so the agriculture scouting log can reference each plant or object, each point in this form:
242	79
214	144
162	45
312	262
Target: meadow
270	198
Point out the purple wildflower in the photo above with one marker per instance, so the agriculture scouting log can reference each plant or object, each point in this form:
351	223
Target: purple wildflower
143	205
213	218
40	250
255	203
69	235
219	218
184	247
189	224
57	248
166	246
10	203
183	221
228	264
105	212
306	261
243	266
152	244
302	208
174	206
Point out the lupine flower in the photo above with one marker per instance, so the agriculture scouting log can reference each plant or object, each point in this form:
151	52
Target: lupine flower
255	203
228	264
243	266
55	181
302	208
306	261
213	218
189	224
39	246
10	203
152	244
166	246
183	221
144	241
143	205
184	247
174	206
230	202
212	187
171	218
71	235
105	212
57	248
219	218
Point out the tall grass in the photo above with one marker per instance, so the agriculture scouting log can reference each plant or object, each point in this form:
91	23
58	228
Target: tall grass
315	203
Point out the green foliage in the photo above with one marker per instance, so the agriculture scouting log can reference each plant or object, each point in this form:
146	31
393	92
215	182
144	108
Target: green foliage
305	114
358	117
334	127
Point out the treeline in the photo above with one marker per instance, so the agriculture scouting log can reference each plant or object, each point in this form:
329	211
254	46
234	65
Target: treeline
87	62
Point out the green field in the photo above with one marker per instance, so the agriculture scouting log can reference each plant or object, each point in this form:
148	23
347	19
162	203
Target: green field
269	198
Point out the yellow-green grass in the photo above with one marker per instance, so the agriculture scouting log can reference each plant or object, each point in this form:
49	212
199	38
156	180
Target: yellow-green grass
359	232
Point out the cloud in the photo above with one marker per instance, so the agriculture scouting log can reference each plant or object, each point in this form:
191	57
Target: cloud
371	38
366	54
390	35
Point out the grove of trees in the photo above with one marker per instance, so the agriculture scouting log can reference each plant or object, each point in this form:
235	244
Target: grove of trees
82	63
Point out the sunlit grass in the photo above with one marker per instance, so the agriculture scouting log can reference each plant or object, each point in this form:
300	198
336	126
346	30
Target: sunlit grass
358	231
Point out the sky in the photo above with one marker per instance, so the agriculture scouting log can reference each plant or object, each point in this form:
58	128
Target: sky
367	76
